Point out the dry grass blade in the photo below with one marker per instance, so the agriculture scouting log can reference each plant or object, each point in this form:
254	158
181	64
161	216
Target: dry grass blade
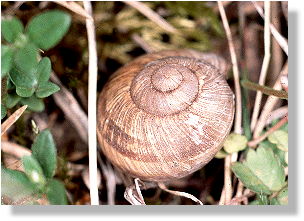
73	6
150	14
269	105
92	105
238	114
276	114
178	193
144	45
259	139
71	108
12	119
264	89
263	74
14	149
279	38
108	172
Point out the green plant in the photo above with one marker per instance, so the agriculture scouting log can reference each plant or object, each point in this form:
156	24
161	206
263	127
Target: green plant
24	73
263	169
37	179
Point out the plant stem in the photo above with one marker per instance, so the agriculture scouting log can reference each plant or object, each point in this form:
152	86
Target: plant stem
256	141
265	90
267	41
92	105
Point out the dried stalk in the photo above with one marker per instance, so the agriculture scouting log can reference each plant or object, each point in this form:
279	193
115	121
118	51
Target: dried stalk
259	139
238	114
269	105
73	6
178	193
71	109
278	37
12	119
266	60
92	105
150	14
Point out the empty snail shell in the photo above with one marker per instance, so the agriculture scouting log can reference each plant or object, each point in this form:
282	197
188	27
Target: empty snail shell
165	114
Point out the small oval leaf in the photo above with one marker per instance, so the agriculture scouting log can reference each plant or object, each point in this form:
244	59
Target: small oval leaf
6	59
11	28
234	143
44	151
47	29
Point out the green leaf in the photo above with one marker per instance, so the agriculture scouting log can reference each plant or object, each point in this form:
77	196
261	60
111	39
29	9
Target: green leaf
33	170
262	171
44	70
280	138
12	100
24	91
249	179
234	143
220	154
3	111
56	193
283	196
11	28
263	199
6	59
265	167
278	153
46	89
44	151
15	185
23	72
47	29
34	103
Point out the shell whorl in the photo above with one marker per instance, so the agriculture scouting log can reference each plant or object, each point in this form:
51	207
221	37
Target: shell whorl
165	114
166	86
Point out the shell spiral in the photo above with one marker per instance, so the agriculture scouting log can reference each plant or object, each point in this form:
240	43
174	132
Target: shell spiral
165	114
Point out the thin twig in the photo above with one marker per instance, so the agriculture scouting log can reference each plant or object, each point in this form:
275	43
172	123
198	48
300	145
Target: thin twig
92	105
14	149
264	89
227	179
278	37
238	114
238	117
73	6
259	139
12	119
141	42
284	82
71	109
237	200
263	74
150	14
276	114
178	193
108	172
269	104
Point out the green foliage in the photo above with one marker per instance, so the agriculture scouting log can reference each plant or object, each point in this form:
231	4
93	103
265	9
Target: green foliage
280	138
234	143
44	151
28	73
196	25
37	179
56	193
11	28
48	28
262	171
15	185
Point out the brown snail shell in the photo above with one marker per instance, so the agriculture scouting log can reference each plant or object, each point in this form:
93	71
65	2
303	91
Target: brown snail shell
165	114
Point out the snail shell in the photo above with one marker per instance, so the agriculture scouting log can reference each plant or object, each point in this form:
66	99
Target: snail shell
165	114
